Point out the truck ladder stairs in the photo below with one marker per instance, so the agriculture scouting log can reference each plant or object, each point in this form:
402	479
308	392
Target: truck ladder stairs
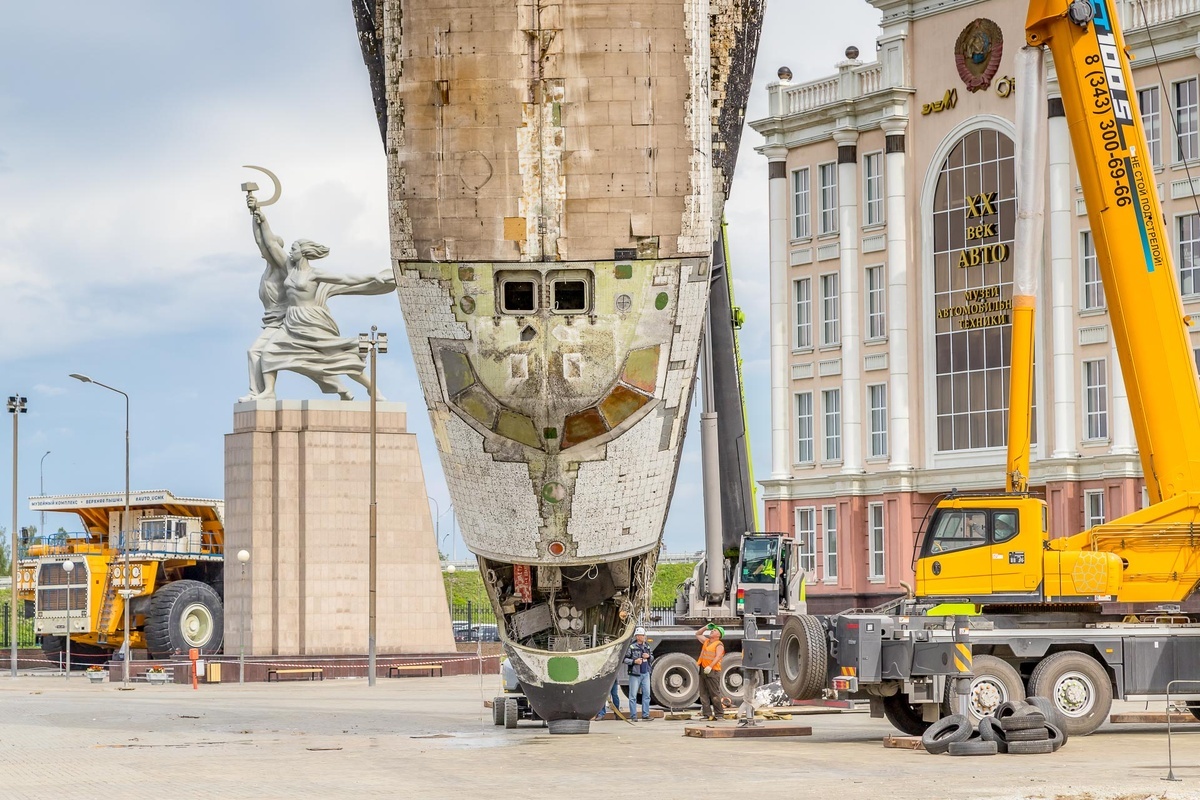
106	609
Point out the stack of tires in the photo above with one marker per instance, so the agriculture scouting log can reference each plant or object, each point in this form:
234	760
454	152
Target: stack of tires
1026	727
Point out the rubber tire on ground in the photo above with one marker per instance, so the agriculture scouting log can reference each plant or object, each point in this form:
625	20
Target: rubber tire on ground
1037	734
973	747
1053	715
512	712
995	671
498	711
680	666
164	618
1031	719
990	731
803	658
904	716
1055	736
938	738
1007	709
731	667
1031	748
1048	672
1192	707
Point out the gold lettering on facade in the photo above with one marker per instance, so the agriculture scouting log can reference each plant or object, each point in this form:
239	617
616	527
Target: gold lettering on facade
982	204
948	101
984	254
983	309
981	231
983	322
1006	86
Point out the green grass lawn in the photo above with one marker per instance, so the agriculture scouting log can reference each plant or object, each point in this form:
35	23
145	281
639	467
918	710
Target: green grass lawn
464	586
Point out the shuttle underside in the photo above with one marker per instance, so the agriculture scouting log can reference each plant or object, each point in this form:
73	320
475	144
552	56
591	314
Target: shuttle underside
555	172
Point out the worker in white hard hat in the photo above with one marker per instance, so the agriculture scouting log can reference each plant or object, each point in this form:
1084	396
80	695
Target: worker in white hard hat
640	660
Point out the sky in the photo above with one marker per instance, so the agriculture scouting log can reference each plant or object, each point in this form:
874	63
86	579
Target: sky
125	245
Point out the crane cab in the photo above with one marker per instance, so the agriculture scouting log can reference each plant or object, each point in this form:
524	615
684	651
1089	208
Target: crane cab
984	549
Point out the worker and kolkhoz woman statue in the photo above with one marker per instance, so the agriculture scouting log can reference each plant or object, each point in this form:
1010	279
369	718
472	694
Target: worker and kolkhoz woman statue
299	334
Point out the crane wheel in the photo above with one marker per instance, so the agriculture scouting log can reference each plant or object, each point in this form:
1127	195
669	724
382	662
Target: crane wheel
995	683
733	678
1078	687
803	658
184	615
675	681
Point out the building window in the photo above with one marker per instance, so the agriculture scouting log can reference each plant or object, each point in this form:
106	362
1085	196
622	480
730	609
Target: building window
802	291
973	218
801	205
831	403
875	537
831	548
876	323
804	428
1089	270
1095	382
1196	356
806	537
1189	254
1152	122
1093	508
877	401
827	175
873	188
831	310
1187	145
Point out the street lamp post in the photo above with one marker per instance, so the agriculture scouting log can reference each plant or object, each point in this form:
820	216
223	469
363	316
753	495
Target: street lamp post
243	556
16	407
68	567
125	595
372	343
42	491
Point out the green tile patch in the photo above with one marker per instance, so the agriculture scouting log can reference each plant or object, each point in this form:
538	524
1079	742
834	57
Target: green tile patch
550	433
467	304
623	272
554	492
562	669
661	301
517	427
641	369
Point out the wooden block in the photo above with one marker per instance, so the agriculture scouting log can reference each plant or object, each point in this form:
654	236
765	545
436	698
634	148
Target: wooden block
756	732
903	742
487	703
1151	718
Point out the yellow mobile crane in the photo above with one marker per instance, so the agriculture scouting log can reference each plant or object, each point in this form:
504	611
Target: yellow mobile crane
995	550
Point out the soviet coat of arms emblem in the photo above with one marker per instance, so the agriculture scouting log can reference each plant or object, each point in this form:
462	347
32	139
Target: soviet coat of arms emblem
977	53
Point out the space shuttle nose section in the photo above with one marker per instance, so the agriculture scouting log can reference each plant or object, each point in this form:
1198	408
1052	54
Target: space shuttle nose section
567	689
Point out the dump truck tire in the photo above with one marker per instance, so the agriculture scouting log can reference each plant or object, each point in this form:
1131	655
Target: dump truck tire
995	682
184	615
674	681
1077	686
904	716
803	658
947	730
54	649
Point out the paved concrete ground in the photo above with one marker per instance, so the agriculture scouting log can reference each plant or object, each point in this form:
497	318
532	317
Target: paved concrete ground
430	737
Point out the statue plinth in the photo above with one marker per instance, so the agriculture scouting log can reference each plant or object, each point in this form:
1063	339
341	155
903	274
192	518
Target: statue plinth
297	497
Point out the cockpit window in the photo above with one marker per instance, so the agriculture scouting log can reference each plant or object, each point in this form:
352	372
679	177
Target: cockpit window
1004	526
760	560
958	530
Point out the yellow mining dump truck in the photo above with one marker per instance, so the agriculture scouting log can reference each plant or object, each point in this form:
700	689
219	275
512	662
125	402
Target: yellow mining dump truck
165	558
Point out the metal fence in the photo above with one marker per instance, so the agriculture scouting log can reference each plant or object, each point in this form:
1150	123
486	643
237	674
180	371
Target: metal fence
25	634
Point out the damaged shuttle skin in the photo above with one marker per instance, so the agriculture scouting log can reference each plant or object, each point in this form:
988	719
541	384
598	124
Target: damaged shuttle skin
556	174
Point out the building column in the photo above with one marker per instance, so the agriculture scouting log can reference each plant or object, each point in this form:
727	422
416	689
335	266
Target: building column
899	431
1122	420
1062	288
851	302
781	439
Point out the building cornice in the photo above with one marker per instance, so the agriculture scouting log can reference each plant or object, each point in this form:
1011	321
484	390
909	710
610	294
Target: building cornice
903	10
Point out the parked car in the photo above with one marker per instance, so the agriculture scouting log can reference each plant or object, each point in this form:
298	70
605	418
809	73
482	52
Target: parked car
476	632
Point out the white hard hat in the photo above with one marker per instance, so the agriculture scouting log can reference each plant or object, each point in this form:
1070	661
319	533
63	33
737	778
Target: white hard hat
639	631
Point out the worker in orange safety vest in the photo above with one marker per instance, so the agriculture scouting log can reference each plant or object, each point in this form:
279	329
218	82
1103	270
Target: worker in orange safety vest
712	651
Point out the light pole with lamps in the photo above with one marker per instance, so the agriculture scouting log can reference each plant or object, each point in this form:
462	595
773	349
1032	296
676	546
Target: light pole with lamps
16	407
68	567
243	556
125	594
372	343
42	491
